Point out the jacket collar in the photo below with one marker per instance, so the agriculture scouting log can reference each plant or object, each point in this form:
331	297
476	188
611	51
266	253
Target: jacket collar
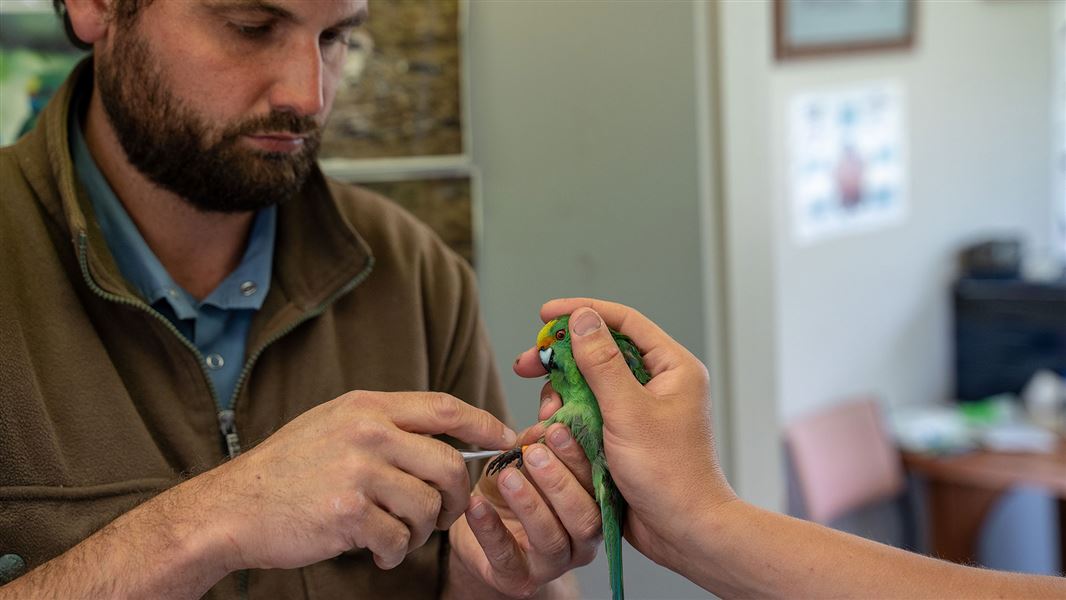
317	251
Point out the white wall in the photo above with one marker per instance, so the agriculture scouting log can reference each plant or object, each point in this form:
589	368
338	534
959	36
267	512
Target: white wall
1058	117
870	313
749	245
586	129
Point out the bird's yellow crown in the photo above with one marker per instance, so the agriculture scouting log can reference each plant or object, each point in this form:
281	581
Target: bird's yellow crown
545	338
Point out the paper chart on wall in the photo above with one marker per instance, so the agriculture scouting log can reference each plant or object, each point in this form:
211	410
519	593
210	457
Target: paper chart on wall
847	161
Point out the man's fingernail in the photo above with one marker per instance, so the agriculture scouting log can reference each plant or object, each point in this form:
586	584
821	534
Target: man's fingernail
538	457
512	480
561	438
479	511
586	323
509	436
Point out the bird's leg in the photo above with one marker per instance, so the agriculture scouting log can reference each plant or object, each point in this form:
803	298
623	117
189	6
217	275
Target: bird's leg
514	455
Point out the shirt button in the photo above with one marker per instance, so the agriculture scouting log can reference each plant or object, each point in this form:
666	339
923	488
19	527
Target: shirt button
248	288
11	567
214	361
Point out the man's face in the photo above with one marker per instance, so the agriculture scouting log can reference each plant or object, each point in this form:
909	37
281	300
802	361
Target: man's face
223	101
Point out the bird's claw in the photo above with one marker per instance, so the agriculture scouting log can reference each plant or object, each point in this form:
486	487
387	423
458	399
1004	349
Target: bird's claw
500	462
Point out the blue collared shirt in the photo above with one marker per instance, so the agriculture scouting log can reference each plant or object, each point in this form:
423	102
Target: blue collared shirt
217	325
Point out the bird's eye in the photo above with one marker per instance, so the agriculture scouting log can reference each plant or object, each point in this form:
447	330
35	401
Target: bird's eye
560	335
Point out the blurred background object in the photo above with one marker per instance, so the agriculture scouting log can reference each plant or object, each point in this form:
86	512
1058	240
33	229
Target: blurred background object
846	466
35	58
1007	331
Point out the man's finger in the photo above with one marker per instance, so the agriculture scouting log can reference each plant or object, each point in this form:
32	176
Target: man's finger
528	364
545	532
549	401
566	448
437	413
506	558
661	352
438	464
410	500
618	316
374	529
601	363
573	504
531	434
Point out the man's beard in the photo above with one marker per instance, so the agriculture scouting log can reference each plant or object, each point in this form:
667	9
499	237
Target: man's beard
173	147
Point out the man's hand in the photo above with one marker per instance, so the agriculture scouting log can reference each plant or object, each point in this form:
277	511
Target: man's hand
359	471
658	438
522	533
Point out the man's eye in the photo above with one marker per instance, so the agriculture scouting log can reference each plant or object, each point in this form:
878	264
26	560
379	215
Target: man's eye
330	37
252	31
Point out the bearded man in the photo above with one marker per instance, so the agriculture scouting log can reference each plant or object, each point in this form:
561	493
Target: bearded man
180	282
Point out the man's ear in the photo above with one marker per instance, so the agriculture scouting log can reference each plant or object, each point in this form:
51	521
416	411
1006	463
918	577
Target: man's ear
91	19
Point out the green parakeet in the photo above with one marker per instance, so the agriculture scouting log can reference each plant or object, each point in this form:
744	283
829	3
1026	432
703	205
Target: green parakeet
581	413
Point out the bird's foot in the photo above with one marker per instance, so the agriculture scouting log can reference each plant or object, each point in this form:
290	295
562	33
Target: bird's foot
511	456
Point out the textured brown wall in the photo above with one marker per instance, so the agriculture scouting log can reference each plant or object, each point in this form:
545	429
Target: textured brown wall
401	95
443	204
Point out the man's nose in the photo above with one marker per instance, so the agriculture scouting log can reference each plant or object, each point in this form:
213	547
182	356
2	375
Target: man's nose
298	87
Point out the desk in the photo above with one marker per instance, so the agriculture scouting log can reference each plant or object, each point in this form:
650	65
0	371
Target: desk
961	490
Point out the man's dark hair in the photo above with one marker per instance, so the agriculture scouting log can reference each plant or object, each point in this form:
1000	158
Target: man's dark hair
123	13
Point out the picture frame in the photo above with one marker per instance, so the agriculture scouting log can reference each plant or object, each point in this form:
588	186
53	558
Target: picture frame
401	90
813	28
440	185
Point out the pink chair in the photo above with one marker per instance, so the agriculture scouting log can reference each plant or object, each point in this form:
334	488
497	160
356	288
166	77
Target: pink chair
844	459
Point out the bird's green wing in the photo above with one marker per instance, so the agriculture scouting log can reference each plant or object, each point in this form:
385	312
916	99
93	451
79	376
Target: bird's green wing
632	356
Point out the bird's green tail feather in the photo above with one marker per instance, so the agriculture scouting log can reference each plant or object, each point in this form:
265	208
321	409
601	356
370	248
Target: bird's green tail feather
612	514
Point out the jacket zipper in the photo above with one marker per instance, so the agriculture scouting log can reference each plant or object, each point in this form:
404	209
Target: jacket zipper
225	421
227	424
314	312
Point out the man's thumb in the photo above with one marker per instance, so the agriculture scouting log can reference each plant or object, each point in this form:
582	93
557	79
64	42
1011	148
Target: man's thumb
602	364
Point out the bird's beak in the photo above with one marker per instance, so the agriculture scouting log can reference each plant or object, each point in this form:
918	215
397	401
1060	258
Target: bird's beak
547	358
544	345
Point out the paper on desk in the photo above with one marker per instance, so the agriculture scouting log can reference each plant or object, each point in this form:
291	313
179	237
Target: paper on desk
930	428
1017	437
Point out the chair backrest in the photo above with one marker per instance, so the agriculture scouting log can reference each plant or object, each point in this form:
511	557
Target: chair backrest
843	459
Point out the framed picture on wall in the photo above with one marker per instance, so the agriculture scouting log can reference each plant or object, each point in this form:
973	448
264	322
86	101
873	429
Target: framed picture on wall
443	203
804	28
401	93
400	125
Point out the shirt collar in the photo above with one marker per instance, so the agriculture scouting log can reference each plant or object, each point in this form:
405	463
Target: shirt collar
244	288
319	252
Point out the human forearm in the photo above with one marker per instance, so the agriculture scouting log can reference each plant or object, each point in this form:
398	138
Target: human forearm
744	551
161	549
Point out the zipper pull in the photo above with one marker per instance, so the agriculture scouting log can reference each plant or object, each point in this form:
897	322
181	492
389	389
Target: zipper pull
228	426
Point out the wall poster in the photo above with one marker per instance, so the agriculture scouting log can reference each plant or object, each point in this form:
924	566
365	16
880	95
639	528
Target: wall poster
847	160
